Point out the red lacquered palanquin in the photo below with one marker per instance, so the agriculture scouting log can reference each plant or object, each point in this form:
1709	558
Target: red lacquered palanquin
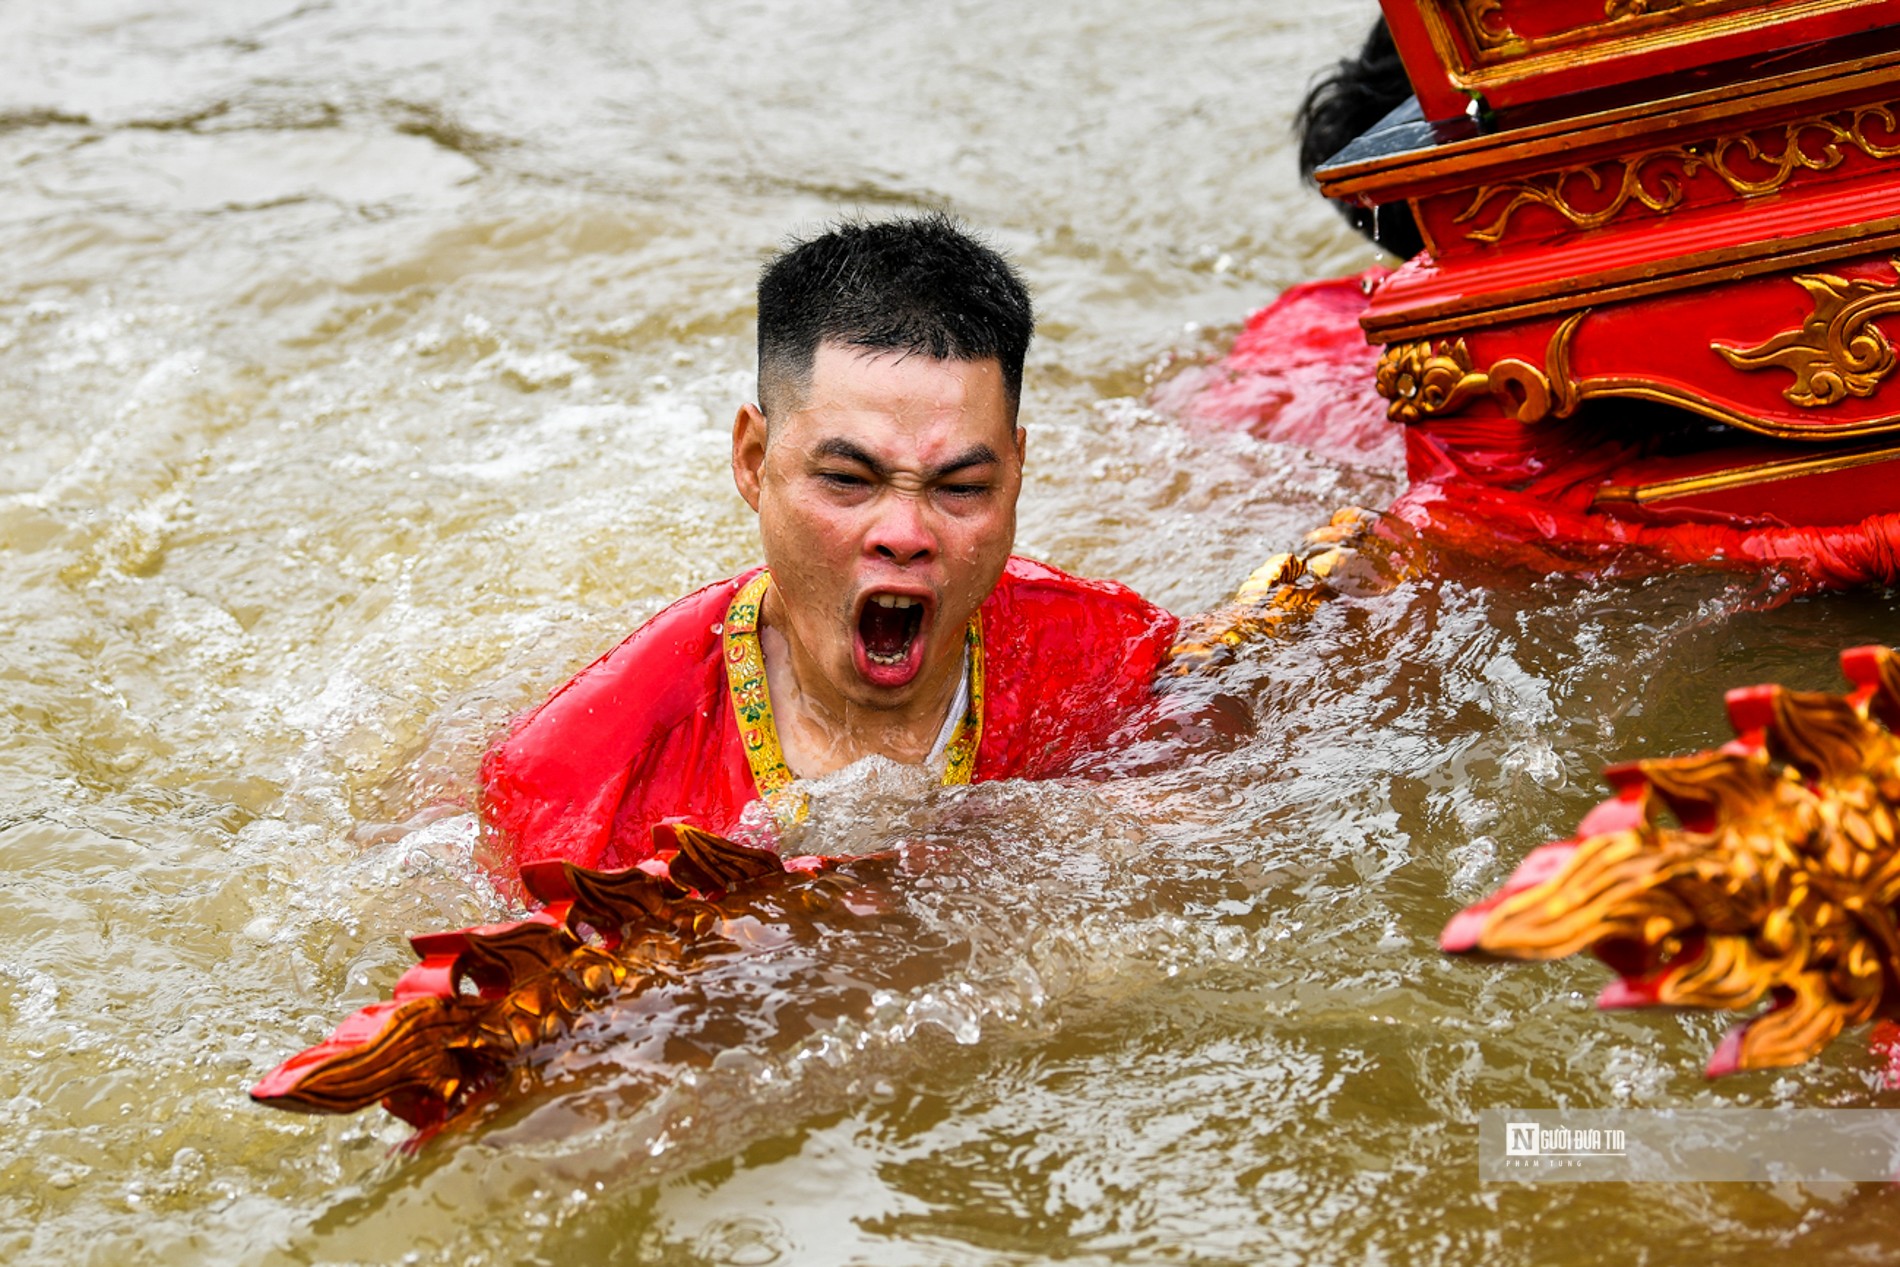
1690	204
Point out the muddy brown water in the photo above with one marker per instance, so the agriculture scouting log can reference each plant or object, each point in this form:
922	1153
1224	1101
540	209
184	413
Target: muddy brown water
366	369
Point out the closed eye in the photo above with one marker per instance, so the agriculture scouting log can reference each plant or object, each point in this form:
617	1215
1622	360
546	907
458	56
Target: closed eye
842	479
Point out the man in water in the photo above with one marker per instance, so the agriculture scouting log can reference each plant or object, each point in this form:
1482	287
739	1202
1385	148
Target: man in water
884	460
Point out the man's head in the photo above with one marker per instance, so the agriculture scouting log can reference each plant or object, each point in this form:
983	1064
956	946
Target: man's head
917	286
884	457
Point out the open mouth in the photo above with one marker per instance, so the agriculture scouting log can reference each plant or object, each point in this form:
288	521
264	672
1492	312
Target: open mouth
891	637
888	627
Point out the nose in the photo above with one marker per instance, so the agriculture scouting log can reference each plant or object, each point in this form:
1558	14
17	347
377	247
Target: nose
902	533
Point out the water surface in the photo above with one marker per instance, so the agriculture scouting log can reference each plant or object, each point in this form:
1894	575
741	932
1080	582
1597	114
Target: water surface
367	369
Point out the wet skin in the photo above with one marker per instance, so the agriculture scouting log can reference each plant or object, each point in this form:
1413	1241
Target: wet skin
895	477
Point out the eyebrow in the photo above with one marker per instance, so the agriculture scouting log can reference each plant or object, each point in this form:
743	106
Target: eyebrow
975	455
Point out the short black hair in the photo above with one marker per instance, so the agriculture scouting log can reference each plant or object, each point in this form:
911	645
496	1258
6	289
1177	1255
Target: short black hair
920	285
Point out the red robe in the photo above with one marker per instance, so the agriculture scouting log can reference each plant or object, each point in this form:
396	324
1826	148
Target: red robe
647	732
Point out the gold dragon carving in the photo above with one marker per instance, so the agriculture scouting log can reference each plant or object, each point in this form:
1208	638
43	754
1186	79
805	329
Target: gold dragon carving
1658	179
1837	352
483	998
1779	878
1423	379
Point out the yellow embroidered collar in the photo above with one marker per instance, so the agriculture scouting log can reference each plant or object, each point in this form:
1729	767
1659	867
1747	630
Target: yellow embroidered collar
758	730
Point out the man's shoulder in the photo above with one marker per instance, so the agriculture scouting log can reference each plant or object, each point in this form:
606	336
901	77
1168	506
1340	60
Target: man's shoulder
552	785
685	630
1030	582
1045	611
649	675
1066	658
687	626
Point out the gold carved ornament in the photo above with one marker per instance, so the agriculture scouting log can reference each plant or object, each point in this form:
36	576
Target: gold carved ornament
483	999
1618	10
1837	352
1492	30
1657	179
1485	20
1422	379
1489	27
1358	552
1778	879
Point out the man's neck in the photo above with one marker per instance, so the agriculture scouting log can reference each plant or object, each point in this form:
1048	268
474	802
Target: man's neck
820	731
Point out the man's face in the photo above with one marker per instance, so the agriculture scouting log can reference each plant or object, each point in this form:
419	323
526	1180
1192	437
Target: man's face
887	506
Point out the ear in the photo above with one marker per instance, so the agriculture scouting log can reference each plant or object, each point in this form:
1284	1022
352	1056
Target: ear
748	453
1022	445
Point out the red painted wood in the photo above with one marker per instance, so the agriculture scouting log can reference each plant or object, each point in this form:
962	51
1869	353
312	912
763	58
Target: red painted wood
1668	342
1548	49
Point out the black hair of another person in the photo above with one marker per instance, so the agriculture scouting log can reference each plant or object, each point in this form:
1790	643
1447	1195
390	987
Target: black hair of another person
919	285
1356	94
